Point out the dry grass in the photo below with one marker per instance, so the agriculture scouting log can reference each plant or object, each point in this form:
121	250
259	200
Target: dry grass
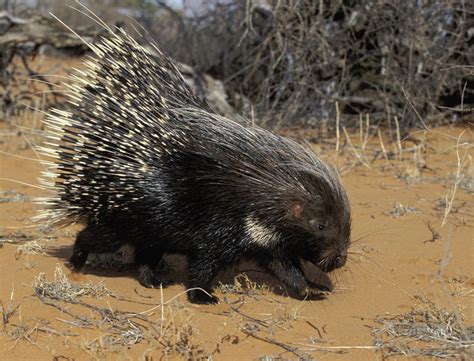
461	286
243	285
8	311
427	330
171	330
399	209
13	196
16	237
435	234
29	248
61	289
450	196
180	339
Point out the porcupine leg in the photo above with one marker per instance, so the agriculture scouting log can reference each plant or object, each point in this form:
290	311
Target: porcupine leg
86	242
290	273
80	250
202	270
92	239
147	258
78	259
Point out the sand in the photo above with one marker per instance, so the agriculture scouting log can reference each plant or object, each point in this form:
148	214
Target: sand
402	250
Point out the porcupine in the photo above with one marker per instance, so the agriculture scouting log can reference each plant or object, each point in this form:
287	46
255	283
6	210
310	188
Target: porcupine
140	160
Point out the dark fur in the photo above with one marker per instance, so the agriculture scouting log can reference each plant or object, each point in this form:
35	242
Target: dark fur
219	188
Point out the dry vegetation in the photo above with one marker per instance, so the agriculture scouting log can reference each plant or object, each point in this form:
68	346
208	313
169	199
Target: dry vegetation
294	59
427	330
288	62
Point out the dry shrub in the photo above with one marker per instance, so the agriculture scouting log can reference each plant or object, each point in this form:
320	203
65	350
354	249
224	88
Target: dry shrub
427	330
170	332
295	59
22	84
61	289
399	209
243	285
179	339
13	196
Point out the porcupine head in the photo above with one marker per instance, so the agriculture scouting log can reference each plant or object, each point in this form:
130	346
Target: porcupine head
325	218
314	217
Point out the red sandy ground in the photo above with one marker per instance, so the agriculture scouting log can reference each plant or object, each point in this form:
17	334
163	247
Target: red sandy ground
395	259
398	259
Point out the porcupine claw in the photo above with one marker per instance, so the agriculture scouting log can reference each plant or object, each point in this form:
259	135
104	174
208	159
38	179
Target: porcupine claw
315	291
150	279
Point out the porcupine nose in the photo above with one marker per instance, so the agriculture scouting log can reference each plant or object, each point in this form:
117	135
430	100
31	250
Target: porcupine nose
336	262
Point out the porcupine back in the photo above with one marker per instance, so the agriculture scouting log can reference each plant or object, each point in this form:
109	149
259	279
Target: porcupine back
130	109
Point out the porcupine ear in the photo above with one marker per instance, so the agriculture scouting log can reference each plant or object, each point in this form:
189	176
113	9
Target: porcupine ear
296	210
312	198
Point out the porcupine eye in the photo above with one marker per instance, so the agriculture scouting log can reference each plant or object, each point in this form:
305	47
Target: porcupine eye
316	225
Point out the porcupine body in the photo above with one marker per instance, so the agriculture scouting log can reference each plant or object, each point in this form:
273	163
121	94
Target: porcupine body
140	160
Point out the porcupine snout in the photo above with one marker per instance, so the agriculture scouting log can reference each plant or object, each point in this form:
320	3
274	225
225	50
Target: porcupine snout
334	262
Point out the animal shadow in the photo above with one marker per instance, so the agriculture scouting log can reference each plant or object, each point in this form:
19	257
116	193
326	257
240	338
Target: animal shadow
245	275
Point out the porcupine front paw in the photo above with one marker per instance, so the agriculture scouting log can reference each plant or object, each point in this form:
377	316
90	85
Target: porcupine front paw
150	278
321	287
203	298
